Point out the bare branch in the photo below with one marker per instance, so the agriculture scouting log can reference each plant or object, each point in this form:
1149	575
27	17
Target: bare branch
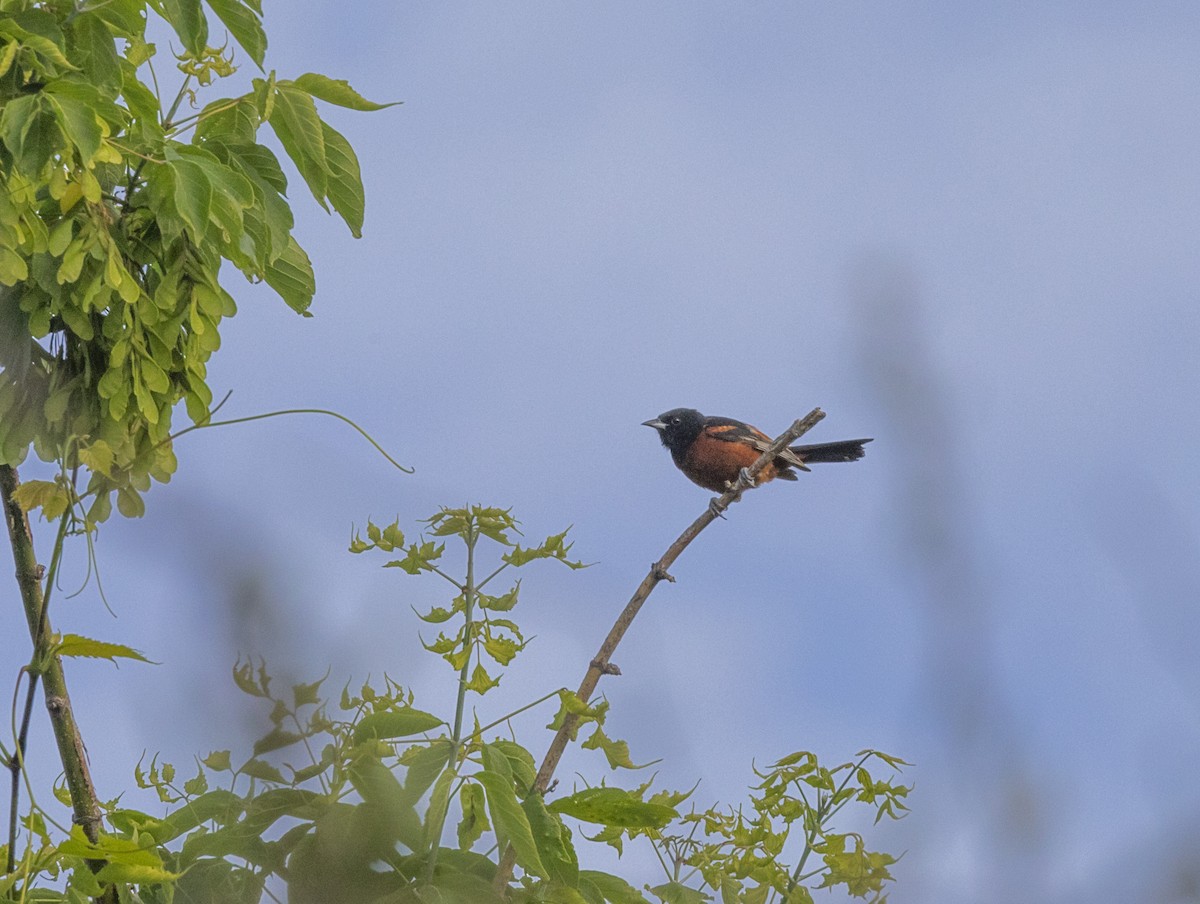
658	572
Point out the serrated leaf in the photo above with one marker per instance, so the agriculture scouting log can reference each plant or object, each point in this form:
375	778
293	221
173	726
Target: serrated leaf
48	495
616	752
197	785
481	682
613	807
75	646
336	91
305	694
218	761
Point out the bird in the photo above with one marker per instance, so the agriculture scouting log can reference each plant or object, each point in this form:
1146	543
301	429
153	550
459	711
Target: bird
713	451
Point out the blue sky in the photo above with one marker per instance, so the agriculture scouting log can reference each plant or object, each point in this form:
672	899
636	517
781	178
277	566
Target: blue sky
969	232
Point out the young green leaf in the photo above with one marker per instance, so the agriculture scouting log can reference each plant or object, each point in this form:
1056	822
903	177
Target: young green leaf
336	91
291	275
612	889
474	821
510	821
72	645
299	129
613	807
401	723
553	840
344	184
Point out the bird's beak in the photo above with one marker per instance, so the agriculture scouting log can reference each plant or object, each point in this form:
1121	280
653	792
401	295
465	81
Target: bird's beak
656	424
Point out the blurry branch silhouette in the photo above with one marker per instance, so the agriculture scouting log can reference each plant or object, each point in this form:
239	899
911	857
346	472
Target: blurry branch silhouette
939	531
937	522
601	663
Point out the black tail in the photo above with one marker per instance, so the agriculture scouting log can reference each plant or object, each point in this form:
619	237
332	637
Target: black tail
842	450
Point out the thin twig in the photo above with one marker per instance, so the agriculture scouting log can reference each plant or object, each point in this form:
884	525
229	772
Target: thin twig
658	572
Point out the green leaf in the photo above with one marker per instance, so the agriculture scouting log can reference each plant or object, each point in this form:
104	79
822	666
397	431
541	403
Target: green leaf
127	17
401	723
678	893
97	53
72	645
553	841
474	821
48	495
344	184
336	91
231	121
276	739
29	131
614	889
218	761
306	694
113	872
617	752
130	503
189	23
109	847
299	129
520	762
481	682
37	30
291	275
193	192
424	765
261	769
79	123
248	682
510	821
197	785
613	807
245	26
210	881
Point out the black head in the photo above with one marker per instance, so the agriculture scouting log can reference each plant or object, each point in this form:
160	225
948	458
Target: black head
678	428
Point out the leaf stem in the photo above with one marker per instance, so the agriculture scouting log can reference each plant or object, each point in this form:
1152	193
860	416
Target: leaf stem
258	417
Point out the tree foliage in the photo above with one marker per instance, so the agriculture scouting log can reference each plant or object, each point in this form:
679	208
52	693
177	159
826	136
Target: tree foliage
119	209
368	797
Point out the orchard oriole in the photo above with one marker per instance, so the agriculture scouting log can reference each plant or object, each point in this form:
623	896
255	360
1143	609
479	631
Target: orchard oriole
712	451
